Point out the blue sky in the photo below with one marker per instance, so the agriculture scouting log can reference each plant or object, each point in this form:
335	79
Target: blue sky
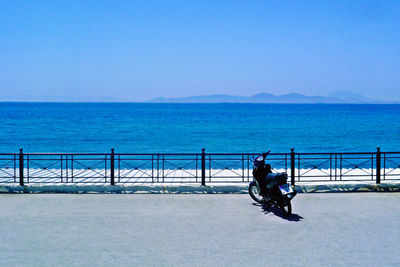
137	50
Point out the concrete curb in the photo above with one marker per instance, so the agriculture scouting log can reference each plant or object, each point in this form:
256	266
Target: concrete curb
337	188
188	189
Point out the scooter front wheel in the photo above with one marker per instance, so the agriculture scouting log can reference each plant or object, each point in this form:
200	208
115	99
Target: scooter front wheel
254	193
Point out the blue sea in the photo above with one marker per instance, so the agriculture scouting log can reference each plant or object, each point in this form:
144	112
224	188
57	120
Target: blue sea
175	128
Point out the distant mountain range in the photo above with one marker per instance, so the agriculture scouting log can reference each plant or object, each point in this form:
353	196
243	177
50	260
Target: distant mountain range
339	97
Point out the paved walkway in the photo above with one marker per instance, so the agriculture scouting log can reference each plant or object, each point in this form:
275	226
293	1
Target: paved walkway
98	229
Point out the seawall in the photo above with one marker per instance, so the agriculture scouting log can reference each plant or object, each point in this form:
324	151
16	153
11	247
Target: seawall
192	189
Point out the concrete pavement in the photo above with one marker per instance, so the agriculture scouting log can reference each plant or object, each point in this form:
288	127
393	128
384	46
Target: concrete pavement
158	229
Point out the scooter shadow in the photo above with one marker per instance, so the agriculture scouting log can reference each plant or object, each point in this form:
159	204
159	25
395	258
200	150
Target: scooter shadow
278	212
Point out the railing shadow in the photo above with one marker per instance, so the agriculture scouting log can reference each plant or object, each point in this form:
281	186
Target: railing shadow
266	209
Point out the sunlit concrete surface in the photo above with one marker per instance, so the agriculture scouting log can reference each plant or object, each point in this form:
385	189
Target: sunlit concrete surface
117	229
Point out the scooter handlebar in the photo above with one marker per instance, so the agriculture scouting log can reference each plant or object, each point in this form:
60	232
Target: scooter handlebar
266	153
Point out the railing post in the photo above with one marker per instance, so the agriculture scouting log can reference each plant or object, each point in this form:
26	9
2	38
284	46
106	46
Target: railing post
21	167
378	165
203	167
112	167
292	168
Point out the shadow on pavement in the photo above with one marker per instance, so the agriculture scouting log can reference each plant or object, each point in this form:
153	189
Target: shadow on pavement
277	211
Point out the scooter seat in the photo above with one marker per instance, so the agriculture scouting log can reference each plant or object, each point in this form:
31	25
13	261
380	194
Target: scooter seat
273	179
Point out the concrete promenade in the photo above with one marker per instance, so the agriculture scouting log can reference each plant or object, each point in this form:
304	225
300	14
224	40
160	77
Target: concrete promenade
198	230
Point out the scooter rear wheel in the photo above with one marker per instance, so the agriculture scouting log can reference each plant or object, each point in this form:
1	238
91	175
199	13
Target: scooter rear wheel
286	207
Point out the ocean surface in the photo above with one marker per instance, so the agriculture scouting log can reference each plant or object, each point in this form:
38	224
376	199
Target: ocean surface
174	128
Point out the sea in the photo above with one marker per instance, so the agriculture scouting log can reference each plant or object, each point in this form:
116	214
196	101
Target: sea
187	128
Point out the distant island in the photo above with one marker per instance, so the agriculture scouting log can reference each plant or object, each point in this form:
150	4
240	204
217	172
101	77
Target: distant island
339	97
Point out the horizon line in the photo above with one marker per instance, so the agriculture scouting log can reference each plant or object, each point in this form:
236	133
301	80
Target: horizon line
151	102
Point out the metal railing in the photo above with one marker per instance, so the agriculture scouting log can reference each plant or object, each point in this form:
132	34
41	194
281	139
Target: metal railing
205	168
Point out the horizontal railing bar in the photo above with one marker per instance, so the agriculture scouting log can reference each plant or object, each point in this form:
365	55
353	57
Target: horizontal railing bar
160	154
102	154
195	154
62	154
165	158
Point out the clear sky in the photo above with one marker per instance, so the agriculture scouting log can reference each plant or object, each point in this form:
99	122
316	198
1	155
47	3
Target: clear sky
137	50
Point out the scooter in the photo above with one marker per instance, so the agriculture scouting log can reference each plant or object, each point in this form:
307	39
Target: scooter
271	189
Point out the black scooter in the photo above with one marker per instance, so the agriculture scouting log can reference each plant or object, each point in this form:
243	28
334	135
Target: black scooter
271	188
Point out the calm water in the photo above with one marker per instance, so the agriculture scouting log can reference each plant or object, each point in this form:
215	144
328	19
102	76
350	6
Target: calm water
137	128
